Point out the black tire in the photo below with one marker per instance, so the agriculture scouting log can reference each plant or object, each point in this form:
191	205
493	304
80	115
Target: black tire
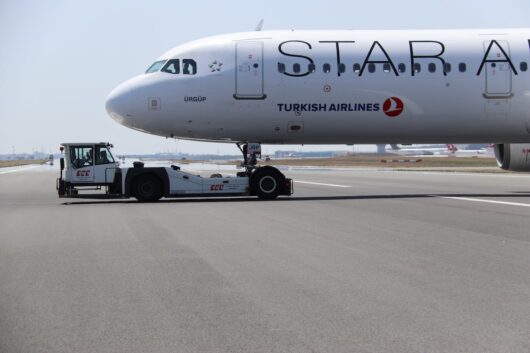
267	183
147	188
61	189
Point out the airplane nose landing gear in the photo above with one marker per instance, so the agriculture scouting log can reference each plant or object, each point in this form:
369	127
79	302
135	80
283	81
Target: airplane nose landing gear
265	182
251	153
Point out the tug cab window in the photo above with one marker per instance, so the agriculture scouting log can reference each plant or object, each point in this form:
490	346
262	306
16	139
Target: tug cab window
172	67
103	155
81	156
157	65
189	67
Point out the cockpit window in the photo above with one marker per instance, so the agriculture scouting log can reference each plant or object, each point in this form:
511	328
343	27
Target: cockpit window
172	67
156	66
189	67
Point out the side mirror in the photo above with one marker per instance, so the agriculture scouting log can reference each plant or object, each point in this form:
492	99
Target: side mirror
62	163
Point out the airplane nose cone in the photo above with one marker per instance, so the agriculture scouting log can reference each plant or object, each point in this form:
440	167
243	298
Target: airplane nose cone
128	104
118	104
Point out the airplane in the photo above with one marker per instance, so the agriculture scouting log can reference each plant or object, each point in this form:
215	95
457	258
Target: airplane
442	150
466	152
425	150
339	87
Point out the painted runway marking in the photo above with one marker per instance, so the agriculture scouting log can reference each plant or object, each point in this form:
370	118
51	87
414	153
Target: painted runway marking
485	201
321	184
18	170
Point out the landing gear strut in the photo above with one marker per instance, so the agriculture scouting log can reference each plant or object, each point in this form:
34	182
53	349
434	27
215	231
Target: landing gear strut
251	152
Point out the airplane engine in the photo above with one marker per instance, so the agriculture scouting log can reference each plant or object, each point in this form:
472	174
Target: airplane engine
513	157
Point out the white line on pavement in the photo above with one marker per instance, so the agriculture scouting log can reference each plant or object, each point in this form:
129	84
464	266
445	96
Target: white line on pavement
322	184
485	201
18	170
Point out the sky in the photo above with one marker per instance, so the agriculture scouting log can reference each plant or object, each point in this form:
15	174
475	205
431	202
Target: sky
60	59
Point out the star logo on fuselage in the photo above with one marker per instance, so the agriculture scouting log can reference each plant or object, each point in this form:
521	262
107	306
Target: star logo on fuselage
216	66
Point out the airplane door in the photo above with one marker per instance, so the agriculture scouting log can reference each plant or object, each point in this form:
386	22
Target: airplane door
498	74
249	70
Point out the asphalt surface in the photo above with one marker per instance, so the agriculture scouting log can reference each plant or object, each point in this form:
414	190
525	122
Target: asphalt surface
373	261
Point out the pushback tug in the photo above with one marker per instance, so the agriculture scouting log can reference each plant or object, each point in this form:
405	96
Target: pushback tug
91	166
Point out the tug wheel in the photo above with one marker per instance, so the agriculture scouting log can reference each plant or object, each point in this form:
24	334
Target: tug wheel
147	188
61	189
267	183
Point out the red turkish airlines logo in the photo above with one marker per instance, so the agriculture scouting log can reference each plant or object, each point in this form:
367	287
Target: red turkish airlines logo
393	107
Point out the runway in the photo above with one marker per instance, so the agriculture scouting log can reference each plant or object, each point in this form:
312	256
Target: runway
358	260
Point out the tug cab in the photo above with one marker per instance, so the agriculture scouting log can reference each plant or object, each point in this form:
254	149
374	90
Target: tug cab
90	163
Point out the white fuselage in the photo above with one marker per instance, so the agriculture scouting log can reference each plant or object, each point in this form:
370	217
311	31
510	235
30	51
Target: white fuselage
337	87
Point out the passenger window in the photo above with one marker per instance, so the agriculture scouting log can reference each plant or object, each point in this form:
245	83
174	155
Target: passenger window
311	68
356	68
342	68
447	68
417	68
103	155
371	68
155	67
81	156
296	68
402	68
462	67
524	66
189	67
386	67
172	67
432	68
327	68
281	68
